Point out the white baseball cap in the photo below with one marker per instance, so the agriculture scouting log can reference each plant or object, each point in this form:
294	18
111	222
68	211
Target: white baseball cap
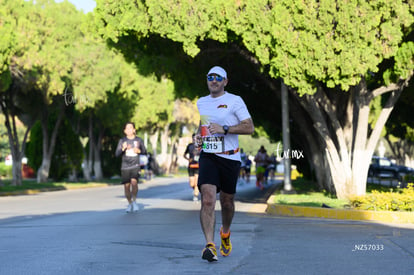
218	71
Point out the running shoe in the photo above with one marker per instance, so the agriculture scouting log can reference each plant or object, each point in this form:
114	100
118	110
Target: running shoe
209	253
135	207
259	185
225	246
129	208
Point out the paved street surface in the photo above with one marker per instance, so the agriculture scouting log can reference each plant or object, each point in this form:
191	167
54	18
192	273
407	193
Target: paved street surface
88	232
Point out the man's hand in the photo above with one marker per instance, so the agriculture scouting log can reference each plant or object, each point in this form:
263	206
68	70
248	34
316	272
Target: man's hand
198	141
215	128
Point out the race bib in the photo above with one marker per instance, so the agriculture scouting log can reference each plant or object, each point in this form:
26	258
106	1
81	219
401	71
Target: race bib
212	144
130	153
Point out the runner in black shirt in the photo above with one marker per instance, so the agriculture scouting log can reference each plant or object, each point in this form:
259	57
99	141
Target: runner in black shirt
192	155
130	147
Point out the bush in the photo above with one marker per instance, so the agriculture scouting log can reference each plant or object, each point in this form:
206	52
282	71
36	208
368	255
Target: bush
401	200
5	170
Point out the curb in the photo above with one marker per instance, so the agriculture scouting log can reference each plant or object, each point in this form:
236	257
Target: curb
340	214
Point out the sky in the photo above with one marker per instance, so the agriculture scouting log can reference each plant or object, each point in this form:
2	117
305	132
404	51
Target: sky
85	5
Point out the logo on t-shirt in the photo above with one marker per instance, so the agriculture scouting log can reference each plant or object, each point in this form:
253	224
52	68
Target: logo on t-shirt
222	106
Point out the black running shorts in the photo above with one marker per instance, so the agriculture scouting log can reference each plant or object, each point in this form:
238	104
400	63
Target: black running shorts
218	171
192	171
128	174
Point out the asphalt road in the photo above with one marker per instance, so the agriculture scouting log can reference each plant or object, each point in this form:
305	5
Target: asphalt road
88	232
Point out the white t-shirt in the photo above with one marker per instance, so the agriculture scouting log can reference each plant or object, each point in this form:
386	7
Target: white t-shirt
228	109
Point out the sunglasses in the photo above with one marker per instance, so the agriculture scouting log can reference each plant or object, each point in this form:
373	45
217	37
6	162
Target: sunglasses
217	77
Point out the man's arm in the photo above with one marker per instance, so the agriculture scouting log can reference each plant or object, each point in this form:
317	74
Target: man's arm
198	140
245	127
119	150
186	152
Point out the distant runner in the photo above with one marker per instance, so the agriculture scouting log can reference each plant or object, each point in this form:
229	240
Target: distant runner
130	147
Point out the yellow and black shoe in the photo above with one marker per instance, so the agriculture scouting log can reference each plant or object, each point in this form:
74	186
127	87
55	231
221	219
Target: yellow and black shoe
225	246
209	253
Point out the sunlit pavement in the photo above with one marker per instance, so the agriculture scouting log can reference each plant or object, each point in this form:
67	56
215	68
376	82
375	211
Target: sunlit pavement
88	232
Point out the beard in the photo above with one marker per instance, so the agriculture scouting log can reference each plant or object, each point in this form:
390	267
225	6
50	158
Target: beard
215	89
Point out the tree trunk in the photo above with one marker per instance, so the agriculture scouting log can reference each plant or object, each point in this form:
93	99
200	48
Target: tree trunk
154	141
153	138
403	150
17	172
43	172
346	147
17	151
163	158
73	177
17	154
87	162
97	164
86	170
97	169
48	145
172	168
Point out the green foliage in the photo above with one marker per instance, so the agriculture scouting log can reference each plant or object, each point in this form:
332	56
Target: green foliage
251	144
303	186
29	186
68	153
156	104
34	147
95	71
404	61
400	200
307	194
5	170
44	34
311	200
400	123
301	41
4	140
7	38
110	164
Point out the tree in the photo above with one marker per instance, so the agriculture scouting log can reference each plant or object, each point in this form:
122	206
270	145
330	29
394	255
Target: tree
154	113
67	156
336	57
14	93
55	45
38	64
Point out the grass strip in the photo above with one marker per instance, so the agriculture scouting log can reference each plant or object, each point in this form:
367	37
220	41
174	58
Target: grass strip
29	186
307	194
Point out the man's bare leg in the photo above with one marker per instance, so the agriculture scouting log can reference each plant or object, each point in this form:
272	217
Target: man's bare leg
207	212
227	210
134	191
127	191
